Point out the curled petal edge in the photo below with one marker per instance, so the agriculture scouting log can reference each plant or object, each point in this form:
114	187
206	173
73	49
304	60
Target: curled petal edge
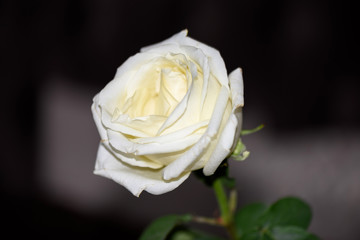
136	180
174	169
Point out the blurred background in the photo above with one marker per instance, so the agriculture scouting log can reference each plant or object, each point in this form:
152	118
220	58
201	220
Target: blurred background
301	74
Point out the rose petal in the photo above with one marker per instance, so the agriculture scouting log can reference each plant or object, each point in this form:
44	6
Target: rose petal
195	112
174	169
110	94
135	180
200	58
139	127
122	144
197	127
223	146
237	95
96	112
237	88
117	126
217	115
132	159
178	111
216	62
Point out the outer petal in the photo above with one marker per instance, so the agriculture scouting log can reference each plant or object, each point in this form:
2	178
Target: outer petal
135	180
232	129
223	146
174	169
237	88
96	111
237	95
216	62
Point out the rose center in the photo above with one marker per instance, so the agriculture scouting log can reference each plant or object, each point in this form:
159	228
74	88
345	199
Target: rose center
158	87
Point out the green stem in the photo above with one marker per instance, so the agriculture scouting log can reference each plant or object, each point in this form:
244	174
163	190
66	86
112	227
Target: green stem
233	201
206	220
222	200
226	209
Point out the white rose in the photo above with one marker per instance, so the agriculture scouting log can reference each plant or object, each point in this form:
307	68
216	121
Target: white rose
169	110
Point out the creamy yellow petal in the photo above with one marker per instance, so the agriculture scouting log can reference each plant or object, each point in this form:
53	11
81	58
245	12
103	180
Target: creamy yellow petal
223	146
134	179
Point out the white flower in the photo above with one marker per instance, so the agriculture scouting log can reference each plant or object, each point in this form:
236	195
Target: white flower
169	110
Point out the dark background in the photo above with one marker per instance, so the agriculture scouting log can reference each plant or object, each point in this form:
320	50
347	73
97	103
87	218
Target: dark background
301	73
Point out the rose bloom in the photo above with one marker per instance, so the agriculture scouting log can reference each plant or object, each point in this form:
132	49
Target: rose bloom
170	109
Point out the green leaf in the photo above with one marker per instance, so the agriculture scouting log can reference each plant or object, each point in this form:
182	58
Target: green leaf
247	218
289	211
254	235
182	235
190	234
278	233
250	131
161	227
257	235
286	219
289	233
312	237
